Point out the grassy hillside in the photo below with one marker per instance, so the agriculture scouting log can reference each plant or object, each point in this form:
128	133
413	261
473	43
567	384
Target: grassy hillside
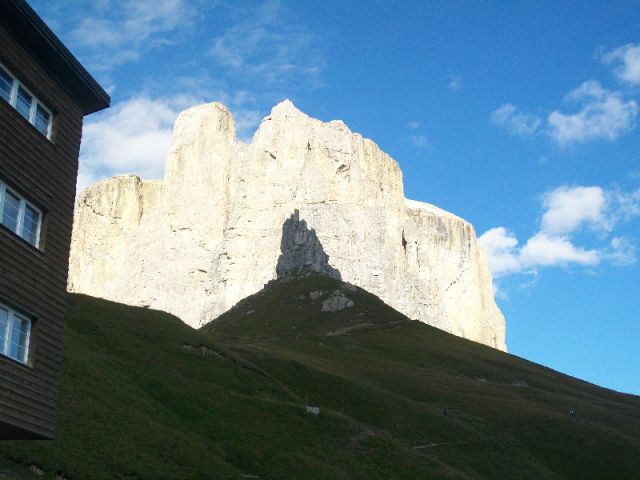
144	396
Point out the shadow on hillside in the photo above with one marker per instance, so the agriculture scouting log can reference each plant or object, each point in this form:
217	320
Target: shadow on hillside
302	251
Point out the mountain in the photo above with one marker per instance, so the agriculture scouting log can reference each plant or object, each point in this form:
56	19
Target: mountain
314	378
212	231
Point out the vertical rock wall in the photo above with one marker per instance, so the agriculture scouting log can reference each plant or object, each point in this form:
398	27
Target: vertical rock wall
210	233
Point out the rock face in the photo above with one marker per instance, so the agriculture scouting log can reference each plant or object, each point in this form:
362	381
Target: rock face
301	251
229	217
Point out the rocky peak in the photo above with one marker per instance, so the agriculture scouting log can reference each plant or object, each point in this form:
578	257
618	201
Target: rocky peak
204	120
302	251
220	226
286	108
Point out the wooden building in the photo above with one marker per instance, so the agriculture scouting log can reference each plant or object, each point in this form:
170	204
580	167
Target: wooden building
44	95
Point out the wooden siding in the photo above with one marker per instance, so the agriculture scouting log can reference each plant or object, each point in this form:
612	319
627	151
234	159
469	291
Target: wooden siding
34	280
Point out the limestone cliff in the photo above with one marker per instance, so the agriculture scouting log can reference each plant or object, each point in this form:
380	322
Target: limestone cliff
213	231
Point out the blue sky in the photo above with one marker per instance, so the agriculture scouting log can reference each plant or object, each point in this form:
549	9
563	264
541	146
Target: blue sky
519	116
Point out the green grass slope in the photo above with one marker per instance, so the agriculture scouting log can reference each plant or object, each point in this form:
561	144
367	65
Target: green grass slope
145	396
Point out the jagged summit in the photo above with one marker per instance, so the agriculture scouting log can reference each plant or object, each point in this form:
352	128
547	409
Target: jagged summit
286	110
210	233
285	107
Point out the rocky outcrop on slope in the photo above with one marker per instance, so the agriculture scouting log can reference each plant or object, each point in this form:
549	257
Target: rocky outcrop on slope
229	217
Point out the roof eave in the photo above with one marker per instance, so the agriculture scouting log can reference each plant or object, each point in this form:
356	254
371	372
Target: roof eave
24	22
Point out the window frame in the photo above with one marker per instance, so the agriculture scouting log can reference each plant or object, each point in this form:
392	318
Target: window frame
35	102
24	203
5	349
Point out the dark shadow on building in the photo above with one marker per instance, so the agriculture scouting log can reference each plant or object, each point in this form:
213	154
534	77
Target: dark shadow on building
302	252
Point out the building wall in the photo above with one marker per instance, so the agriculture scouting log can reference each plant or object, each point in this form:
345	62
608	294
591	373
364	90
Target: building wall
34	280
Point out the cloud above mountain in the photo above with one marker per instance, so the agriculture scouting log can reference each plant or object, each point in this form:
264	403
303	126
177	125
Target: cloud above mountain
567	211
590	112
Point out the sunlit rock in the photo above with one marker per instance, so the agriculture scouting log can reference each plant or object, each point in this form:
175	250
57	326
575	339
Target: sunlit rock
213	231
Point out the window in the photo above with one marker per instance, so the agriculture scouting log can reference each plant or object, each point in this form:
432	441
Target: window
23	103
6	84
15	333
42	120
20	216
12	91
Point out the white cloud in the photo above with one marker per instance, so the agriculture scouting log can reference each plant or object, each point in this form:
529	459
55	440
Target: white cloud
621	251
515	122
603	114
131	137
455	83
628	204
599	114
543	250
567	210
270	47
96	32
419	141
109	33
130	22
417	138
627	63
246	123
500	245
134	136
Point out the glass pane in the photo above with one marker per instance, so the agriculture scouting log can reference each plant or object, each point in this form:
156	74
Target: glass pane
6	82
19	338
42	120
4	318
23	103
10	212
30	225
